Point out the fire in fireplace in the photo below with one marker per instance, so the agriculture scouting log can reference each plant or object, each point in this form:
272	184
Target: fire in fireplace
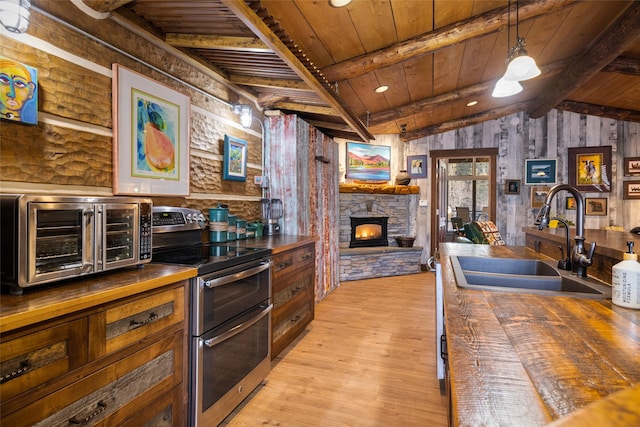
368	231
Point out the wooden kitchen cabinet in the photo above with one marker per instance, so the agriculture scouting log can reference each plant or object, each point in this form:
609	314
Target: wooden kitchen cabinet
119	363
292	284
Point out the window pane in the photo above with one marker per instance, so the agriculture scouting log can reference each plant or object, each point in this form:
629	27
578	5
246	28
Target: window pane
482	166
460	167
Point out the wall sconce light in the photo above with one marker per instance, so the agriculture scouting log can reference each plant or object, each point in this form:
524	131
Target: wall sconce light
14	15
520	65
245	112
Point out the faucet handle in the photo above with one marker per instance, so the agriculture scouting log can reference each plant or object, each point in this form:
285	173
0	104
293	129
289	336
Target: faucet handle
592	249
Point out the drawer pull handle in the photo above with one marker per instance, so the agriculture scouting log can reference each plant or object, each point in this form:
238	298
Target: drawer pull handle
136	324
282	266
295	318
101	408
295	290
305	257
24	367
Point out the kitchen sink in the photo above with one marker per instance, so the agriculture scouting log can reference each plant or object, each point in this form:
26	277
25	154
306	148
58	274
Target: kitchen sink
523	275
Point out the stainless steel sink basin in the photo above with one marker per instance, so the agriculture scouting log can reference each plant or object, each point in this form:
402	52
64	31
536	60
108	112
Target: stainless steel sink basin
528	276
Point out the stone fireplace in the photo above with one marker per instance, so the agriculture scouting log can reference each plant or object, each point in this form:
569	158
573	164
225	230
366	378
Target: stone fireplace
368	231
366	261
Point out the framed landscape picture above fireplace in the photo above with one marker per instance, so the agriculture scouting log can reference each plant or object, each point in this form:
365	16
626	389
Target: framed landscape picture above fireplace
368	162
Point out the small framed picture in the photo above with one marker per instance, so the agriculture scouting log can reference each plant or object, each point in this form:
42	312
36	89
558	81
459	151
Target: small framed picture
570	203
590	168
596	206
235	159
512	186
631	190
632	166
540	171
417	166
538	195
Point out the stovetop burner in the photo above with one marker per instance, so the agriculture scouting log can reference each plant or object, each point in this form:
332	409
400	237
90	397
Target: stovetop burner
208	257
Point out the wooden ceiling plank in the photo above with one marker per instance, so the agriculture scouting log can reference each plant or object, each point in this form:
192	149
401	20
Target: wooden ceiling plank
262	30
329	125
304	108
618	37
444	37
104	6
201	41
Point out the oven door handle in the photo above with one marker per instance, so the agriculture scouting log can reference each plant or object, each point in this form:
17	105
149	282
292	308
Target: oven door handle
237	276
237	329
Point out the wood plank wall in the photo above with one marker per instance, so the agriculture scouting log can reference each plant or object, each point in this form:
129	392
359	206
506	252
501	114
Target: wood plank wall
518	138
308	189
70	149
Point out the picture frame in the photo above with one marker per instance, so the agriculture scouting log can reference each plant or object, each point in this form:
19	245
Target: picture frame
631	190
590	168
540	171
151	136
417	166
368	161
595	206
234	164
538	195
570	203
22	105
632	166
512	186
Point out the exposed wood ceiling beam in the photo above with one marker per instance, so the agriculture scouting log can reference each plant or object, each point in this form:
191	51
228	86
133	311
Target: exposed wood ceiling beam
449	35
599	110
270	83
104	6
304	108
201	41
262	30
465	121
615	40
398	113
329	125
623	65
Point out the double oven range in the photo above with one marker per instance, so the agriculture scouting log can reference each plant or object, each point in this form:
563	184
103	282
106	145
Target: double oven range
229	349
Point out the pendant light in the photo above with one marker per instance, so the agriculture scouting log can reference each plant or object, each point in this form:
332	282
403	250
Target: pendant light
521	65
503	86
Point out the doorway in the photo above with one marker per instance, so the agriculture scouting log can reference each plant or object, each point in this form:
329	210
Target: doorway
463	183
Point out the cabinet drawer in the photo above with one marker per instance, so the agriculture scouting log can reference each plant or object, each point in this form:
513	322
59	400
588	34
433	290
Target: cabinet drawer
113	394
123	325
35	358
284	290
167	411
287	328
293	260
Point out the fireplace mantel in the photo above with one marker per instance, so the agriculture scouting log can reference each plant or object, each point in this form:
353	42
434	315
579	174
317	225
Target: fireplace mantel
379	189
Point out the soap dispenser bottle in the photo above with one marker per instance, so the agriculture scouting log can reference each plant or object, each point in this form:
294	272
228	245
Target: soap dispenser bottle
626	280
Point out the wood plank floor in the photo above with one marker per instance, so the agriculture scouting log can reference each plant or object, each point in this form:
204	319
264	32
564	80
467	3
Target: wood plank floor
368	359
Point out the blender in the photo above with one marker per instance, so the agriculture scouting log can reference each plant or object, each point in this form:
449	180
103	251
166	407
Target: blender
271	214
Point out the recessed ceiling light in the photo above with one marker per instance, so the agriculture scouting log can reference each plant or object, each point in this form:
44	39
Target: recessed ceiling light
472	103
382	89
339	3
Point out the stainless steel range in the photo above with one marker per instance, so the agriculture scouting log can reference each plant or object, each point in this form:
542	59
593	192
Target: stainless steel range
229	350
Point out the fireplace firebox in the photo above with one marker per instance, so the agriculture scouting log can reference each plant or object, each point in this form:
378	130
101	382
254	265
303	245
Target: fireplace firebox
368	231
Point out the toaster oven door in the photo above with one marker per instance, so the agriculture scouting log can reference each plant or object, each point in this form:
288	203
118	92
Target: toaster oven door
117	242
60	241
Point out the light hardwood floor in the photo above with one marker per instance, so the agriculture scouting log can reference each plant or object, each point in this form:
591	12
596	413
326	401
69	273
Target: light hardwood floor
368	359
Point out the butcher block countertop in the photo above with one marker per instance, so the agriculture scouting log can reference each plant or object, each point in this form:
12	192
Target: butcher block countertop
279	243
527	360
50	301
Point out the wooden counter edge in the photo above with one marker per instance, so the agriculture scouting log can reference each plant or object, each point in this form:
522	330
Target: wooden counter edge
63	307
620	409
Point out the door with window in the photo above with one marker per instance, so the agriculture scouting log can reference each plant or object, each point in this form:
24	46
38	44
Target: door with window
464	184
